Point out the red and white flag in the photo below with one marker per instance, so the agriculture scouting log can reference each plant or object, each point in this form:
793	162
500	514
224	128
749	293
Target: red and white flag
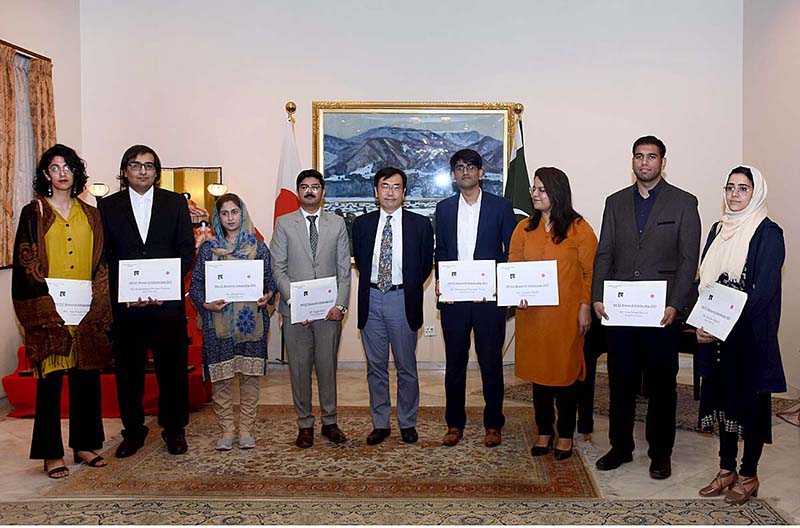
286	199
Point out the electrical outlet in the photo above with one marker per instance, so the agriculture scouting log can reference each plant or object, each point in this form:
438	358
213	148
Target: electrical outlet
430	331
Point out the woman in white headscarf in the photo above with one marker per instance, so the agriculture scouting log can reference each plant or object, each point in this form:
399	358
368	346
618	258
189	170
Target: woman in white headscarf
745	251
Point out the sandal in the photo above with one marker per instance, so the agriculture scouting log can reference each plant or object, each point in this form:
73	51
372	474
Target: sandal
53	473
95	462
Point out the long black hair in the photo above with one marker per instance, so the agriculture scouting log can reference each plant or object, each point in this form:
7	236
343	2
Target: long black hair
43	187
562	215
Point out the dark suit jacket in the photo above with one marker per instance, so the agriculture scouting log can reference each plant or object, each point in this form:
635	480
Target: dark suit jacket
668	248
417	261
169	236
496	223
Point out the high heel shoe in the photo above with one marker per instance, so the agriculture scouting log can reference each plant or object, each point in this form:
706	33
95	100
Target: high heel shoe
53	473
721	482
542	450
742	490
95	462
563	454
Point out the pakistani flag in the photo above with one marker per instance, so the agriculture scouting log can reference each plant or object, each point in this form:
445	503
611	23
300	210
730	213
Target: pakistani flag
518	185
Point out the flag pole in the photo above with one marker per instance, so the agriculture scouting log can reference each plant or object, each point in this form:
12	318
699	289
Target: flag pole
290	108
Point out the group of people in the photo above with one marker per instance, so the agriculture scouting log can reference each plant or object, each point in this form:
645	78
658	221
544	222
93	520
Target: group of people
650	231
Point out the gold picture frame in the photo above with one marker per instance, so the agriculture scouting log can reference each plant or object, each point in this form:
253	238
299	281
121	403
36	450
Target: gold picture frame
351	140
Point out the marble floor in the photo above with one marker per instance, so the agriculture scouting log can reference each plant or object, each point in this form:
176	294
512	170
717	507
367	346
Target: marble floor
694	461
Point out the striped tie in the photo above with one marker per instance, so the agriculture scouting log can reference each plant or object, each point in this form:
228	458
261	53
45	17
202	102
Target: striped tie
313	235
385	260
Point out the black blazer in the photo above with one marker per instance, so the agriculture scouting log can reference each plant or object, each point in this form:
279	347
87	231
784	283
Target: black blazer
170	235
417	261
668	248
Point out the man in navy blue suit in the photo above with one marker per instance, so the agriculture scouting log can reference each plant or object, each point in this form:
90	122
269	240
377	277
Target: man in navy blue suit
473	225
393	251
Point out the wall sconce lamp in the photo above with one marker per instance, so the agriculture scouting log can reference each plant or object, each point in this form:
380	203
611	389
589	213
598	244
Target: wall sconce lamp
217	189
98	190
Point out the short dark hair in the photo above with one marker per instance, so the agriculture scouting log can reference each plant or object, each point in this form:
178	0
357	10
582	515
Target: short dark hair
388	172
310	173
743	170
650	140
42	186
467	156
227	197
131	154
562	215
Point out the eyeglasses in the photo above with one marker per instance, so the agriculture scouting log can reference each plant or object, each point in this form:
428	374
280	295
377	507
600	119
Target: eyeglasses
541	190
465	168
394	186
55	170
731	188
313	188
135	166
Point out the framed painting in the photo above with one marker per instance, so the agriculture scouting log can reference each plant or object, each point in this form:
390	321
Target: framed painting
352	140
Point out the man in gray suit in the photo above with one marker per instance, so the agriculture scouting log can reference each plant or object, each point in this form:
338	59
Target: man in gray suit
312	244
651	231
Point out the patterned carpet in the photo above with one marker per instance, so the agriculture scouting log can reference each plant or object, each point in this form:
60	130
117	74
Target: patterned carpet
686	412
195	511
278	469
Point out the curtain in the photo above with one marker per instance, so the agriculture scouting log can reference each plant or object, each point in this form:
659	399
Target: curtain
8	146
26	150
43	113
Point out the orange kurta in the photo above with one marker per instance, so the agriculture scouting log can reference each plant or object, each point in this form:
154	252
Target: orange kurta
549	347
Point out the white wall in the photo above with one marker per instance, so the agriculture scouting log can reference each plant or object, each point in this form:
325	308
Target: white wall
205	82
50	28
771	86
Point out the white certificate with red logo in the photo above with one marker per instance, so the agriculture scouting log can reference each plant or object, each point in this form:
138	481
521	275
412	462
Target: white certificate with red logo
467	280
312	299
72	298
157	279
634	303
234	280
717	310
535	282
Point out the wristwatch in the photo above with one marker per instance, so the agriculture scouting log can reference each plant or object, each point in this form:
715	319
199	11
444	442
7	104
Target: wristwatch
342	308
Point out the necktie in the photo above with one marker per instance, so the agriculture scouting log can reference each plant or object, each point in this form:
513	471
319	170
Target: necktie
313	235
385	259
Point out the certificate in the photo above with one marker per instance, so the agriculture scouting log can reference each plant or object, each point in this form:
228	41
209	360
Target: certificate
234	280
536	282
634	303
312	299
72	297
467	280
154	278
717	310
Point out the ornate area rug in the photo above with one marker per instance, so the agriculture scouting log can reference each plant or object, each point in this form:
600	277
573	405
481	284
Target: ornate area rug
278	469
195	511
686	412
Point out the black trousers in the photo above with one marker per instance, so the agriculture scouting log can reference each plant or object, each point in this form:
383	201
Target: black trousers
85	418
566	400
653	352
728	450
168	340
488	322
595	344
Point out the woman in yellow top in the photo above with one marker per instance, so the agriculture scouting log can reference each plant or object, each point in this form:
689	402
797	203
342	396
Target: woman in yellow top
61	237
549	341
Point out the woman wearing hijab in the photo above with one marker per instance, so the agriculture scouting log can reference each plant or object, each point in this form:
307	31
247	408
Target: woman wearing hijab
549	344
745	251
234	333
61	237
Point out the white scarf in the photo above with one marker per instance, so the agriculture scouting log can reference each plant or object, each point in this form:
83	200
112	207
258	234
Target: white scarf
728	251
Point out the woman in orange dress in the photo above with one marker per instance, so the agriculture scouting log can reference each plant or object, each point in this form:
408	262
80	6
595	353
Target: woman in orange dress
549	341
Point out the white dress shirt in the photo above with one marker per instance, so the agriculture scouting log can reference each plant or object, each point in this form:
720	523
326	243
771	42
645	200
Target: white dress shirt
142	205
318	213
468	217
397	247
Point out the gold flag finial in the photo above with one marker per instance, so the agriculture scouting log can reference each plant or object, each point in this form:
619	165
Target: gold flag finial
519	108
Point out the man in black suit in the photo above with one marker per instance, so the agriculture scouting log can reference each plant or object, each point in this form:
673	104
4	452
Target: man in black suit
144	222
393	250
473	225
651	231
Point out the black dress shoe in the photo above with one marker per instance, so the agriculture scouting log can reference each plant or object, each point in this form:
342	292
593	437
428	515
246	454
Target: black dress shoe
377	436
409	435
131	444
176	442
305	438
660	468
334	434
562	454
613	459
